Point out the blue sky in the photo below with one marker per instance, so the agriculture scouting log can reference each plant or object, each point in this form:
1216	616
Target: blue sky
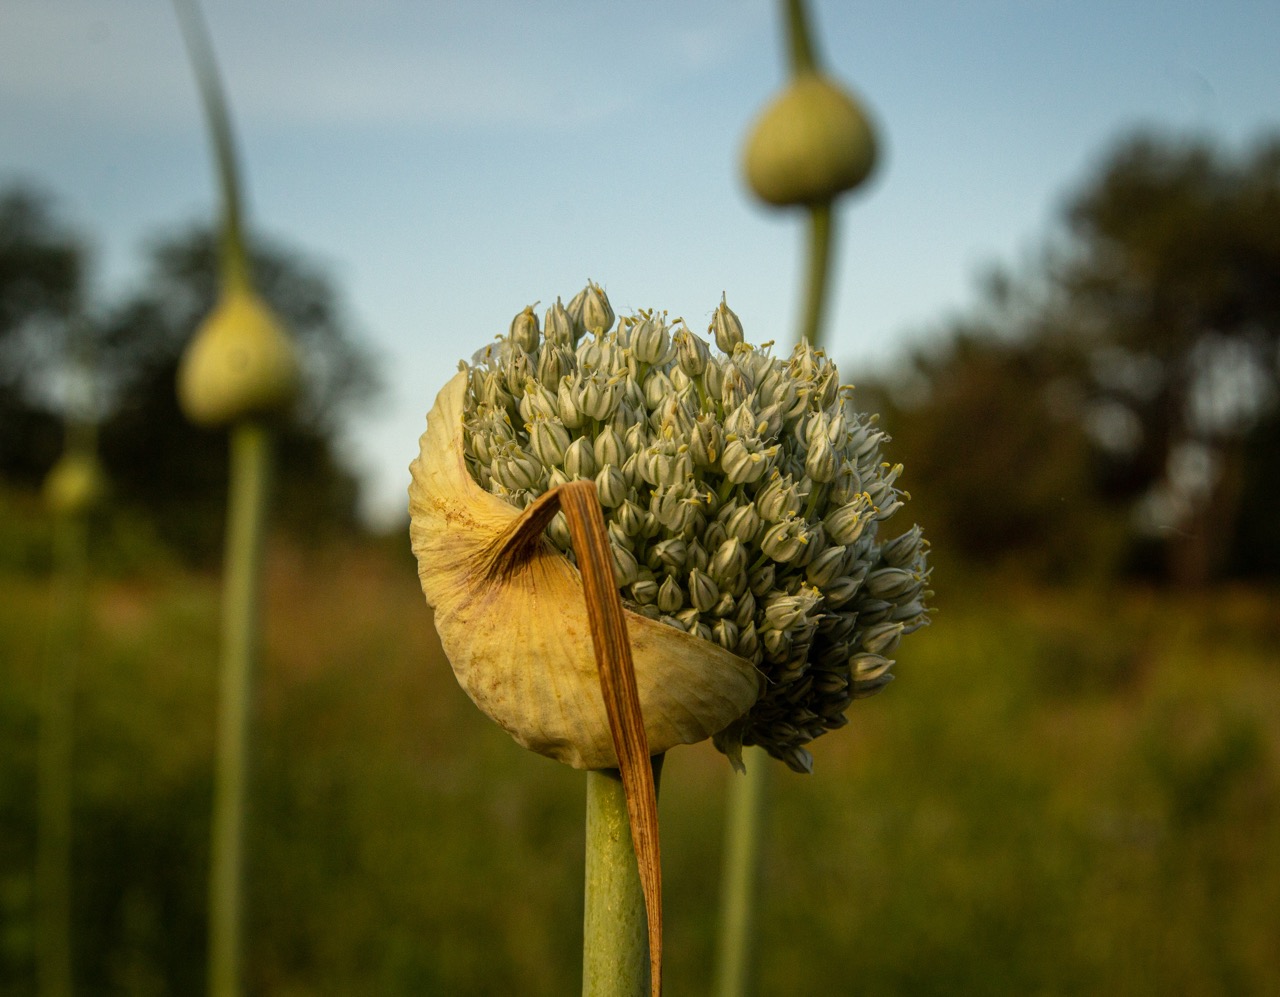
451	163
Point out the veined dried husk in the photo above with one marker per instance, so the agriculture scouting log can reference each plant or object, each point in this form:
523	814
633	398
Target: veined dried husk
513	622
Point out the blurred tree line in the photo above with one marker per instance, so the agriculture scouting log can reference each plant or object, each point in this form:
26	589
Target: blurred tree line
160	467
1111	409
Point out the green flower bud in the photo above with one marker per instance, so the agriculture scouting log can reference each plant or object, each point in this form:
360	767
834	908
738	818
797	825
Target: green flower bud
785	541
692	352
703	591
725	633
625	569
590	310
558	327
670	595
902	551
726	327
743	464
669	555
748	645
549	439
825	567
567	401
882	638
609	448
761	580
845	524
778	500
644	591
554	362
579	459
649	341
611	486
892	584
729	566
822	461
524	330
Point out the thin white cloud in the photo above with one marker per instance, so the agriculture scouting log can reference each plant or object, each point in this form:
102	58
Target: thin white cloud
336	62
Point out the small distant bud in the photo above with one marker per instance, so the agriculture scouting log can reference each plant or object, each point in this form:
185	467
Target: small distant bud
240	364
726	327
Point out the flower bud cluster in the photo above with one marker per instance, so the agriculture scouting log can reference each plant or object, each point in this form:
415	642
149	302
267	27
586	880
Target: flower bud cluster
743	495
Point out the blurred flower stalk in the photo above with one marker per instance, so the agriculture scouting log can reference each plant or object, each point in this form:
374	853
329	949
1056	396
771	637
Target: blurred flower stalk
73	489
811	144
239	371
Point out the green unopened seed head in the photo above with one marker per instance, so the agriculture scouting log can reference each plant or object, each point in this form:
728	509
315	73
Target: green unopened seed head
742	495
810	144
241	364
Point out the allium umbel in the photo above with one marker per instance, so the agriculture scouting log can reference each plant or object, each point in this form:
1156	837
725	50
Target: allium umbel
745	501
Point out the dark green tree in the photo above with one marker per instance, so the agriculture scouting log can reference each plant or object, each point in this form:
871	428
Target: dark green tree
1126	381
42	272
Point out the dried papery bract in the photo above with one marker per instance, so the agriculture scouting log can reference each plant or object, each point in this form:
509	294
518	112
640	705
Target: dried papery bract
512	619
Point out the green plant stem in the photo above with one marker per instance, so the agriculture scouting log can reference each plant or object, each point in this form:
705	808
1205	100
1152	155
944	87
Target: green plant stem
800	47
234	268
821	231
738	886
615	946
53	839
246	515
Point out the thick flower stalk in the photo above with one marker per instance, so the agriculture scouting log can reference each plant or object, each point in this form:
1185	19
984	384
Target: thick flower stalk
745	499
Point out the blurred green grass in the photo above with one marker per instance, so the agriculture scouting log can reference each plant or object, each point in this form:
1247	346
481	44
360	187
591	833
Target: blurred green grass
1065	792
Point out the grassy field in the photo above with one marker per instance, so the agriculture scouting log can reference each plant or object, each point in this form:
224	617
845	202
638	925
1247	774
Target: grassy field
1063	793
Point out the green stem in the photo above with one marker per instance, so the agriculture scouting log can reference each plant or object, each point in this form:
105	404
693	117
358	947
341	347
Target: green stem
246	514
821	232
53	839
800	46
234	269
615	946
745	807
